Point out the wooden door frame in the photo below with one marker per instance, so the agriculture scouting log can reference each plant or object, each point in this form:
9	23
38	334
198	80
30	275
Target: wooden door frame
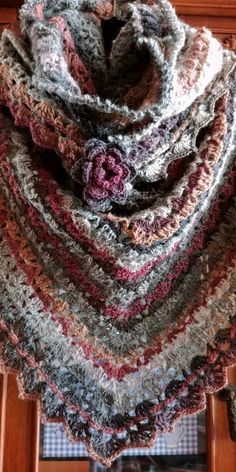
19	420
19	429
20	433
221	450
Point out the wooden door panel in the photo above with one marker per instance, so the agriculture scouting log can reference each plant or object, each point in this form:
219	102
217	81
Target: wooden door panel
3	399
8	17
206	8
20	422
220	447
64	466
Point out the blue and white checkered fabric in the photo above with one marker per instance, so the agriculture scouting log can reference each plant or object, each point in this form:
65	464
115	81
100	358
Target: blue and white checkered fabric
184	440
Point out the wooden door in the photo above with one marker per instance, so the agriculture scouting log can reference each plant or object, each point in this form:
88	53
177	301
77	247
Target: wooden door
20	428
19	420
19	433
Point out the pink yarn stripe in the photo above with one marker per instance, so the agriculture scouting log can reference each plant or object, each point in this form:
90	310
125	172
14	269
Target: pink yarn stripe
76	65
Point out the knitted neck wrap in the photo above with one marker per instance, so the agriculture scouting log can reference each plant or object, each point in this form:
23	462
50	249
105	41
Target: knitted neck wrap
117	217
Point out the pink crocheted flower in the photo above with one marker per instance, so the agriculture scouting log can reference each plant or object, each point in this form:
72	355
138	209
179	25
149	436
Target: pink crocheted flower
104	174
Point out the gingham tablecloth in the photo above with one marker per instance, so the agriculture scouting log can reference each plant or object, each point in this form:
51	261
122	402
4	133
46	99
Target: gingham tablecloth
184	440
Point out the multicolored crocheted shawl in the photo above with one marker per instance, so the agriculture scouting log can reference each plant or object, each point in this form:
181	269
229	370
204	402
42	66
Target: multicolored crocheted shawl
118	217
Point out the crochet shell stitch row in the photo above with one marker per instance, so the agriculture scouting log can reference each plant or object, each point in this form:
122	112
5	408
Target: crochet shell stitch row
117	217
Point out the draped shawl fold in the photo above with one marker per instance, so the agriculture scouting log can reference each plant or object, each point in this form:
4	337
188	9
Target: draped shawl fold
117	217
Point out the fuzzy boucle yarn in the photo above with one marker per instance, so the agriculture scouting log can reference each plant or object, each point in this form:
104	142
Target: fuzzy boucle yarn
118	217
